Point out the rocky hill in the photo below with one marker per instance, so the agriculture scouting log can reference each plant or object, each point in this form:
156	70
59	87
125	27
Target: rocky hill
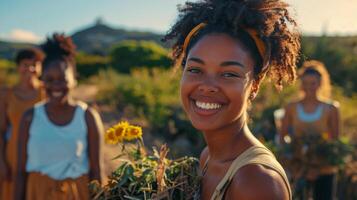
99	38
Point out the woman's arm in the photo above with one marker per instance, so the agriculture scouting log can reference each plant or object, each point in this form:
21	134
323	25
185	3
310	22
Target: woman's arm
95	129
286	122
4	169
21	175
334	121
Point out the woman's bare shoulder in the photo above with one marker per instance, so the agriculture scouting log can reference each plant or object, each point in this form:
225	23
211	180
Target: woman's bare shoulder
256	182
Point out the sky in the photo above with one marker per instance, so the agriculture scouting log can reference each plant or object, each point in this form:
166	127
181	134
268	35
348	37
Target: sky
33	20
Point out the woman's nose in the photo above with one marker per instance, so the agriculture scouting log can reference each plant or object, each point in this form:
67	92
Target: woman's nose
208	86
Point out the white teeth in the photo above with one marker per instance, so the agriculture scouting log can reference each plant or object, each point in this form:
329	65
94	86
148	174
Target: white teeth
56	94
207	106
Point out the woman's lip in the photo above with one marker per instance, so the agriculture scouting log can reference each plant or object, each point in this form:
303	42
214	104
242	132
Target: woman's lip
204	112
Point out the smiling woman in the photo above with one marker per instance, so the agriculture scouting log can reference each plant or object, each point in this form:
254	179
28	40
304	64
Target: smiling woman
59	147
13	103
226	48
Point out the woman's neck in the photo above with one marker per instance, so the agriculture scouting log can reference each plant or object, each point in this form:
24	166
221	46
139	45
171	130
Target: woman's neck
310	100
228	142
61	106
31	84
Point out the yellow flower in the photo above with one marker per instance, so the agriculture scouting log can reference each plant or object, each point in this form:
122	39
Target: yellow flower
123	124
120	130
110	137
133	132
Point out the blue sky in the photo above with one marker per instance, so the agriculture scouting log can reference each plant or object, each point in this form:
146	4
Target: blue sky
32	20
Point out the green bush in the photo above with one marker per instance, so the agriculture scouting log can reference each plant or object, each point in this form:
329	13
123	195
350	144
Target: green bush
89	65
8	75
135	54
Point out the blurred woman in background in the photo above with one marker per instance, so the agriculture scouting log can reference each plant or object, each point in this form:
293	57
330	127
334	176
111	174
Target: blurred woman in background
59	147
13	103
314	113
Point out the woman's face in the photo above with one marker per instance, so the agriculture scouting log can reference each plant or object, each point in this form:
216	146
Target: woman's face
29	69
216	82
310	84
58	79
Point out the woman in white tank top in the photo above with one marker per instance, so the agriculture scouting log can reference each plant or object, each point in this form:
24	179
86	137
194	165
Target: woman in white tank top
59	147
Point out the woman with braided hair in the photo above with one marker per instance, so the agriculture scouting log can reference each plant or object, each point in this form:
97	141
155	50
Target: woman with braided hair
226	48
59	147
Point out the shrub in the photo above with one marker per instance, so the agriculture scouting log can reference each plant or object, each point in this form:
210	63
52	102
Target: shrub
135	54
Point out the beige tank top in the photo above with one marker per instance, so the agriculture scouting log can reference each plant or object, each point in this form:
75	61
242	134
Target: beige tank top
258	155
302	126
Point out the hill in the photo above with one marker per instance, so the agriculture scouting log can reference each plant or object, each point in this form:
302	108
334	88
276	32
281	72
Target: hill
98	39
8	49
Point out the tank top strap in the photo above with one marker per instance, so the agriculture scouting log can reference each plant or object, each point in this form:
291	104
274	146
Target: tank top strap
205	166
39	111
258	155
83	106
80	114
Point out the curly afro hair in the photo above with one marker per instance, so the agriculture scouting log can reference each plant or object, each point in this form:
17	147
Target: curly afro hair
270	18
59	48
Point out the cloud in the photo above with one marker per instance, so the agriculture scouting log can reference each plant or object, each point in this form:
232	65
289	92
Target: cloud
20	35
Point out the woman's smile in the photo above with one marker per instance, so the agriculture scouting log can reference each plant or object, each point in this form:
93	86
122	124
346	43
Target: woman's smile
57	94
206	106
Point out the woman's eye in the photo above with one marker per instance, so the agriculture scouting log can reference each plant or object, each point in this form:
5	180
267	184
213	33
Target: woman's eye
194	70
230	74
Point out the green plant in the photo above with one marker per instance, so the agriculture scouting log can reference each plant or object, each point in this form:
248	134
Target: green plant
136	54
144	176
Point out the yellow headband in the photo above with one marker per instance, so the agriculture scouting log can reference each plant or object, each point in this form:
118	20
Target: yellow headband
251	32
191	34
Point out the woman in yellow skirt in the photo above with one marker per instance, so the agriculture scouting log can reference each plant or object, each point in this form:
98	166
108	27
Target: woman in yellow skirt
13	103
59	147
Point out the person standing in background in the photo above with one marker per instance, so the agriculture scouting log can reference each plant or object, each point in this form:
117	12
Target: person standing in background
59	147
13	103
314	113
